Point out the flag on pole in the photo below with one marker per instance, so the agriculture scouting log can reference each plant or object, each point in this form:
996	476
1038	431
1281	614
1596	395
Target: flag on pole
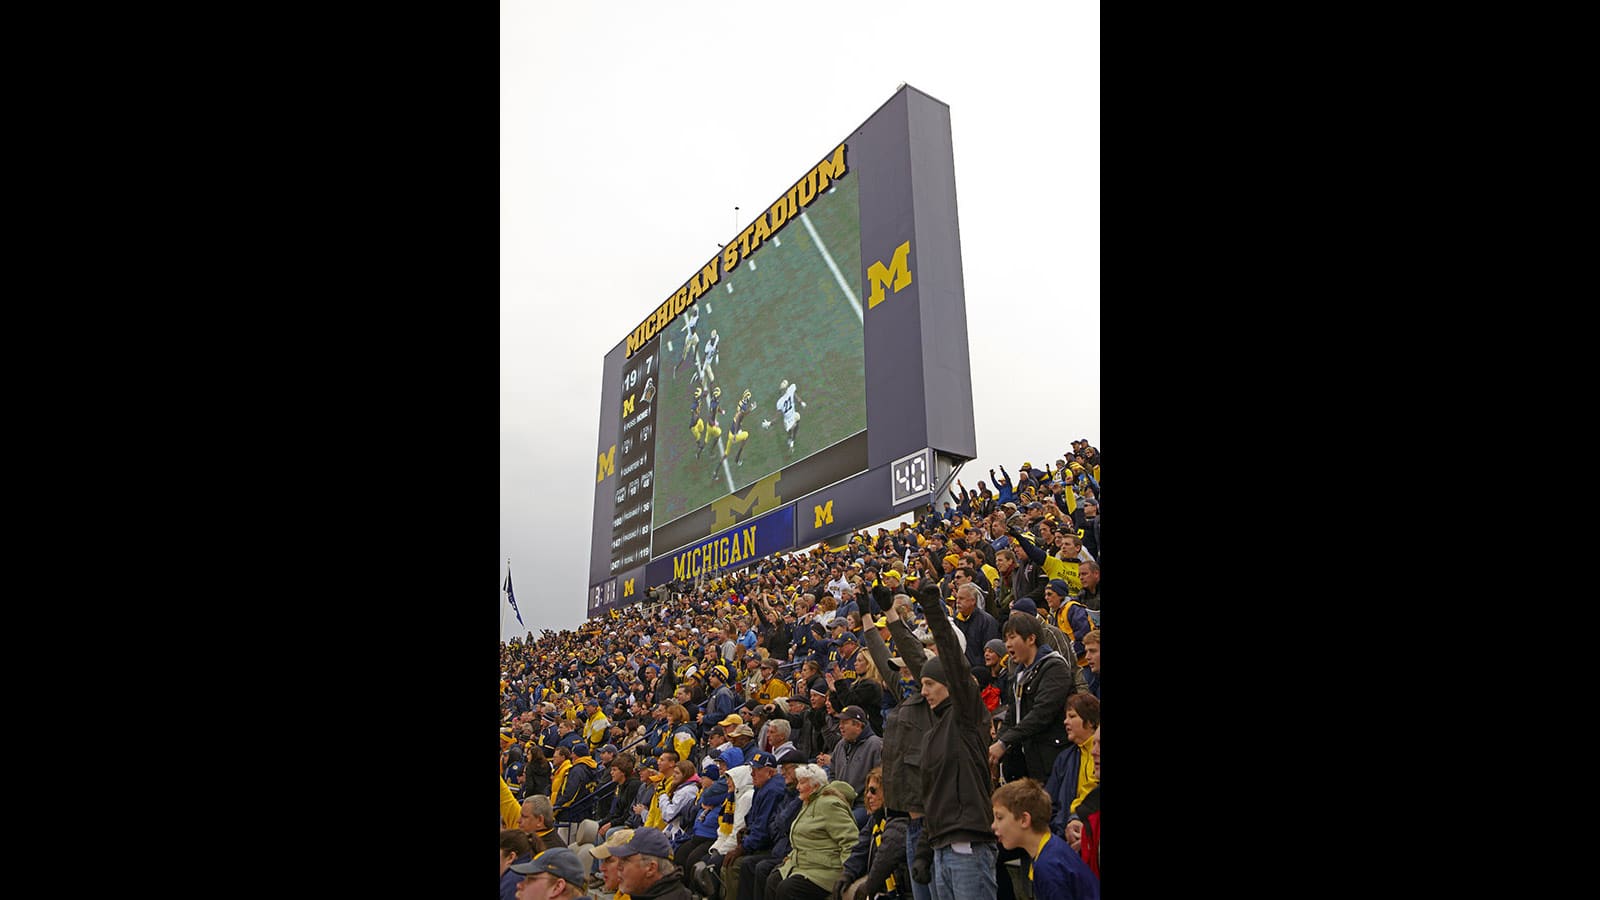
512	597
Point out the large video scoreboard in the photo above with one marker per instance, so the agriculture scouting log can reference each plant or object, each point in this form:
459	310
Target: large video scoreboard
809	379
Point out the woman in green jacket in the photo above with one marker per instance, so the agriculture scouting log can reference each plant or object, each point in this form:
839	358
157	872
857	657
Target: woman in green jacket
820	840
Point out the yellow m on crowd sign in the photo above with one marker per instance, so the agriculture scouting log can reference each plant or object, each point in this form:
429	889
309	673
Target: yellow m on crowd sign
627	588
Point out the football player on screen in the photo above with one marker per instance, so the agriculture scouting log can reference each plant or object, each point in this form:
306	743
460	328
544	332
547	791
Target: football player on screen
736	432
712	346
705	432
787	404
689	343
694	408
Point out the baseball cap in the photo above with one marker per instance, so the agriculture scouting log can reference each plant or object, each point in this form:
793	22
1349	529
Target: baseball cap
892	573
732	756
647	840
613	839
609	748
761	759
882	622
732	719
558	861
850	638
1026	605
853	712
790	755
742	731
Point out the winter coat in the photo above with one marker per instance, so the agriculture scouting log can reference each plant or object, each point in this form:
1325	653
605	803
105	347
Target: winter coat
536	779
510	809
852	760
980	629
735	810
905	724
575	796
887	872
1059	874
643	796
674	805
669	888
1089	845
724	701
705	820
822	836
885	863
1043	697
1064	787
782	820
865	693
955	754
759	821
621	805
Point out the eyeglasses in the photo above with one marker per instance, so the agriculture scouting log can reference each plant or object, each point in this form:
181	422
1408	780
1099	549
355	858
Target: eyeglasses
872	790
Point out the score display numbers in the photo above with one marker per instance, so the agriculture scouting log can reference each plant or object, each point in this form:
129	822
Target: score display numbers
911	477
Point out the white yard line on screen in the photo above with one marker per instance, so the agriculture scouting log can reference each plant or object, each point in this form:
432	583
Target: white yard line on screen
726	472
827	258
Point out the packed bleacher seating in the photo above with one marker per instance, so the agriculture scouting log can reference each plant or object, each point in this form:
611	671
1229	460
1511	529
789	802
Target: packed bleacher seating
912	714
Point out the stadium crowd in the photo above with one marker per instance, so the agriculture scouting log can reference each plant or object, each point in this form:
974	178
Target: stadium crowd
914	715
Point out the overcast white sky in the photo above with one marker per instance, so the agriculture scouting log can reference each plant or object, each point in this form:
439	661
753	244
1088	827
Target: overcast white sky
630	130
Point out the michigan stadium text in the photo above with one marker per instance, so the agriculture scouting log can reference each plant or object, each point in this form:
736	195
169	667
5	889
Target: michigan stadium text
788	207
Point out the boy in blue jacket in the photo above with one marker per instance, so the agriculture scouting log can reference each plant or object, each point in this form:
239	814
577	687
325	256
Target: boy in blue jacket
1022	819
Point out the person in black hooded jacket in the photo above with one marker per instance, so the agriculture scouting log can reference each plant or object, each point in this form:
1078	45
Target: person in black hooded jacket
956	851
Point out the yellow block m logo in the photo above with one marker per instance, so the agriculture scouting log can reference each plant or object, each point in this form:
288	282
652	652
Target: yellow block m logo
762	496
627	406
824	514
627	588
898	269
608	464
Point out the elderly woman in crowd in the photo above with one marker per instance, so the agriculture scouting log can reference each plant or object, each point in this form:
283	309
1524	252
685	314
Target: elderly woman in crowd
820	840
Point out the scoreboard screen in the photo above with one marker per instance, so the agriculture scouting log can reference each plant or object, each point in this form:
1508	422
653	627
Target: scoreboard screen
798	359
